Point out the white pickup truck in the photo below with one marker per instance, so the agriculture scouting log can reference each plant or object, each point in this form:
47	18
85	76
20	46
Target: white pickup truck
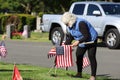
104	16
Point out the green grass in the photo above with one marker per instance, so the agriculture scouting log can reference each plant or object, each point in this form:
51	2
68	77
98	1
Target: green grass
29	72
35	36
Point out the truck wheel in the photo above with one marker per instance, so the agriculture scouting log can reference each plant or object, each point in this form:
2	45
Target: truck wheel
57	35
112	39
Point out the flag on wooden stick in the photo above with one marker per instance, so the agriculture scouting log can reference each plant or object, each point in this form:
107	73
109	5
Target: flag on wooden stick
16	74
66	59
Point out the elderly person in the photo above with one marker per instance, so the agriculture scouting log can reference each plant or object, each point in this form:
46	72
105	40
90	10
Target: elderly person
82	32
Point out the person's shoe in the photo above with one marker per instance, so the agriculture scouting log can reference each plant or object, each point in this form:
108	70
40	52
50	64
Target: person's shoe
92	78
78	75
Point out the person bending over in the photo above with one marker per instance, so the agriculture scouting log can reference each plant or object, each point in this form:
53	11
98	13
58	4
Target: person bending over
81	31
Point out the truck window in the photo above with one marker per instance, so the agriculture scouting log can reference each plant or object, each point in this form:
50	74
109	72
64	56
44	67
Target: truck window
111	9
92	8
78	9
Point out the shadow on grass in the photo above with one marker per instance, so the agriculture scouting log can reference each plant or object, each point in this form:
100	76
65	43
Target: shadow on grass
27	79
7	70
107	77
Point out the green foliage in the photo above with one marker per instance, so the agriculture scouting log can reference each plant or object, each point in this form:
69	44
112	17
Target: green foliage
31	21
3	19
29	6
25	19
41	14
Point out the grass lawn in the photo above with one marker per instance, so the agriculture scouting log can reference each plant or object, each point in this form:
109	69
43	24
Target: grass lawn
35	36
29	72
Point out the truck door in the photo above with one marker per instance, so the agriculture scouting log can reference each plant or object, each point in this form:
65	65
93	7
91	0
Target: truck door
96	21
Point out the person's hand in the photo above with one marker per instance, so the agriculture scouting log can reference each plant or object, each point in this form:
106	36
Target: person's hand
3	37
75	43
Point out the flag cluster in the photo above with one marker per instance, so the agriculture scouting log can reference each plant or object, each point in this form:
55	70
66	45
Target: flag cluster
64	60
3	50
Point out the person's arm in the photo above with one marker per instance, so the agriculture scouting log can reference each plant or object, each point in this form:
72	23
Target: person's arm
85	32
69	39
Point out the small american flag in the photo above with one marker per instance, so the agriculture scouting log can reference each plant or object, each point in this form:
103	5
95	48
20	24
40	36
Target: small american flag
52	53
64	60
3	50
86	62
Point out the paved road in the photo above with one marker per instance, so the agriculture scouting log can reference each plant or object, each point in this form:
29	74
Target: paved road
35	53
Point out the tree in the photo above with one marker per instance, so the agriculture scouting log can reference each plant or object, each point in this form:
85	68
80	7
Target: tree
45	6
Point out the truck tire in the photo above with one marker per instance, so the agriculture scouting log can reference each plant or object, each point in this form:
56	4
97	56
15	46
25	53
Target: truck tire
57	34
112	39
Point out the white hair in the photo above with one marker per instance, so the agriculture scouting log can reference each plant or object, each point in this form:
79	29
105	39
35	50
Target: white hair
68	18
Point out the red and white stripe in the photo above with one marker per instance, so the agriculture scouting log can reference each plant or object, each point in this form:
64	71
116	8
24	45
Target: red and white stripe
66	59
3	51
52	53
85	62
